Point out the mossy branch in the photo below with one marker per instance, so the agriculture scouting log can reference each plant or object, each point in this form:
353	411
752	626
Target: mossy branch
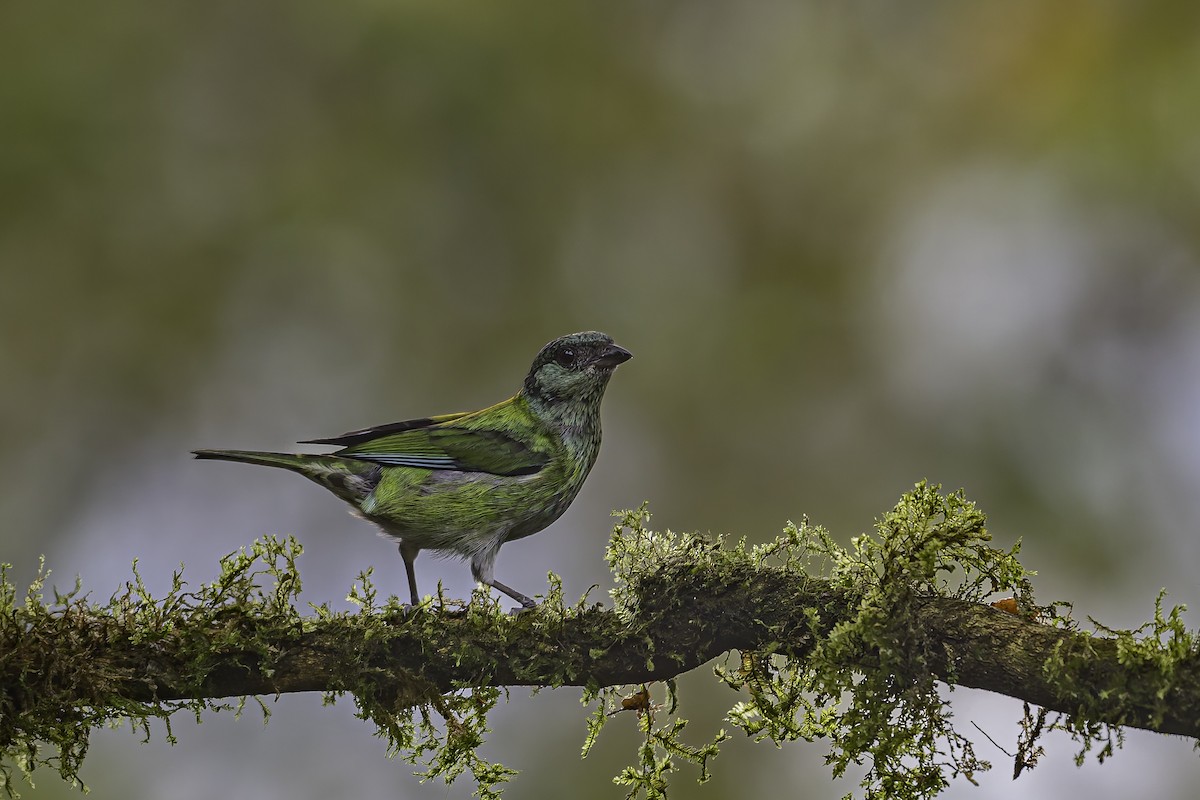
884	611
687	618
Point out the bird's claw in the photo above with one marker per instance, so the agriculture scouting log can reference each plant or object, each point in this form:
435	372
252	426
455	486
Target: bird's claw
519	610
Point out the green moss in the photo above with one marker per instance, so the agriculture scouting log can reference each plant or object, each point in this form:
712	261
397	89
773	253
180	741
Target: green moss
56	652
63	674
1140	691
892	716
822	642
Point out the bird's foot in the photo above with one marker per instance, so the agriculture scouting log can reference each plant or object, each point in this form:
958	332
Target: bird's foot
519	610
527	603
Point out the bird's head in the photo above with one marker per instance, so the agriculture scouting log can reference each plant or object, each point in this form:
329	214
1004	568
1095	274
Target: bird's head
574	367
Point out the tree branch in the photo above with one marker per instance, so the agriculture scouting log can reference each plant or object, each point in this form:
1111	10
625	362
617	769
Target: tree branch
842	644
685	618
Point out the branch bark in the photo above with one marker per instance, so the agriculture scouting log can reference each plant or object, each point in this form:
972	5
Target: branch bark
686	617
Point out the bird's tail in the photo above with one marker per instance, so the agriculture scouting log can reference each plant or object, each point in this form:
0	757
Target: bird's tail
349	479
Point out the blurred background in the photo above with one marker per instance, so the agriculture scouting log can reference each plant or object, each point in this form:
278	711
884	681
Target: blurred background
851	246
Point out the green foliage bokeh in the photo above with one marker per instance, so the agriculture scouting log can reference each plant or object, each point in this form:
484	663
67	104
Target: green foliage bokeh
848	244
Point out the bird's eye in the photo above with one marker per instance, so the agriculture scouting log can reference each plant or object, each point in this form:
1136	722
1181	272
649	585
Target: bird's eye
565	357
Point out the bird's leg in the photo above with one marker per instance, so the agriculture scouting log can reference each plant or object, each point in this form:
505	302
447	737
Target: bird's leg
525	602
409	554
481	570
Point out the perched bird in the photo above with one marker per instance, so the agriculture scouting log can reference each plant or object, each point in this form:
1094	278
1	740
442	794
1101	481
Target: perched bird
464	484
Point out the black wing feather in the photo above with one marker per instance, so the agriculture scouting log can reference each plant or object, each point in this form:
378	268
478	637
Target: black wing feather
367	434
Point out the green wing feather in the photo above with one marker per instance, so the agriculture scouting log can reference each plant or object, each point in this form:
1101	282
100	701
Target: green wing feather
483	441
379	431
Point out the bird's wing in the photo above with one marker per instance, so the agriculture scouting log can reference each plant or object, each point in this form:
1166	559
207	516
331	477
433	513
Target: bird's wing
493	451
438	443
380	431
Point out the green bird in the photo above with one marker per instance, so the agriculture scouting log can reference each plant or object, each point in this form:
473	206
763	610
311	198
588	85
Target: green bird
464	484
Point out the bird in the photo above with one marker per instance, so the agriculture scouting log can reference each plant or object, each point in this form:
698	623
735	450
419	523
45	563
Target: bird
463	484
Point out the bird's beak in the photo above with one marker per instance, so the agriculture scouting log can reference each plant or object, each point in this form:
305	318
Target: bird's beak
612	355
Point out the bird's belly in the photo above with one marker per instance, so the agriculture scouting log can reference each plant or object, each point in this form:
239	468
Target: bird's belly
464	511
544	518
